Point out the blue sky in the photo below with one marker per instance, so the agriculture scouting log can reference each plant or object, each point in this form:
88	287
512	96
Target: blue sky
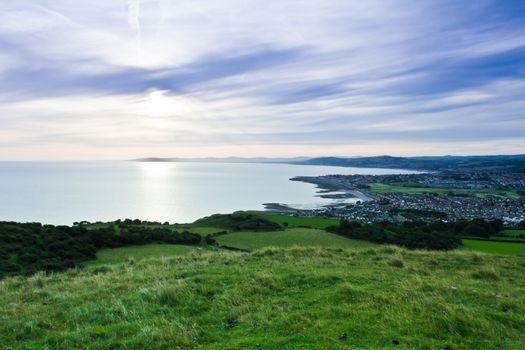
117	79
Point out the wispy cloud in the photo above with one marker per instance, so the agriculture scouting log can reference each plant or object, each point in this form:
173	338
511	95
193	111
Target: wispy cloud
161	77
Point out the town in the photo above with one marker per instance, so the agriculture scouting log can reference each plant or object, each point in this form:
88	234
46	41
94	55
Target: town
447	196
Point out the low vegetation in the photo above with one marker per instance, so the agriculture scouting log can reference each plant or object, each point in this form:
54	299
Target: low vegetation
296	286
302	221
137	253
510	248
28	248
291	237
274	298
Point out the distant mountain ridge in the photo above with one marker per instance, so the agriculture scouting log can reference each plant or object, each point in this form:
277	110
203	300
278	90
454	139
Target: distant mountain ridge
424	163
225	160
514	162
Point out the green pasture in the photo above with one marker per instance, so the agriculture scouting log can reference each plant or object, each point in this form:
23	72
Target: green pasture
288	238
507	248
296	298
304	221
387	188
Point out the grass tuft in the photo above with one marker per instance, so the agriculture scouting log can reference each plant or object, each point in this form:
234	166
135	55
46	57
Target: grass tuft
396	263
486	275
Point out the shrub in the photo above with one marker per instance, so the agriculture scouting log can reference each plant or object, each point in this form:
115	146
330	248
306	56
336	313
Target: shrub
413	235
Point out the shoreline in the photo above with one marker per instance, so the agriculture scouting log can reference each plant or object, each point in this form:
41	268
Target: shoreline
328	185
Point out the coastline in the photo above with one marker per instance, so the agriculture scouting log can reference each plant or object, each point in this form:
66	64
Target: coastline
328	185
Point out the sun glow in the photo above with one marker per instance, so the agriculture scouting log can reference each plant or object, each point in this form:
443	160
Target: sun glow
159	103
155	171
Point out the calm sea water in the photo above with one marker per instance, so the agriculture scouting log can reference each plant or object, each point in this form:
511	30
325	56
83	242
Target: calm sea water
64	192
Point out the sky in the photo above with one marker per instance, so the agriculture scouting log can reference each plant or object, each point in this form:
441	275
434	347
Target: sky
121	79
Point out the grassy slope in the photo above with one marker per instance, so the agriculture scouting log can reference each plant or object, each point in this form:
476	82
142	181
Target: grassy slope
288	238
295	221
494	247
301	298
385	188
119	255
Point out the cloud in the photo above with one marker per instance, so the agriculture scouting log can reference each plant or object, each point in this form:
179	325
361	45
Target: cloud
178	77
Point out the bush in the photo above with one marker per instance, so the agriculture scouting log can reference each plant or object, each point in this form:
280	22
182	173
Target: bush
28	248
411	235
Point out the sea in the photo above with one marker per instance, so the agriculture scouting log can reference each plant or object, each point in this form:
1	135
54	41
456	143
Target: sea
61	193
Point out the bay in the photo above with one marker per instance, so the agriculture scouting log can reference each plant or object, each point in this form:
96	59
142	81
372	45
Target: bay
64	192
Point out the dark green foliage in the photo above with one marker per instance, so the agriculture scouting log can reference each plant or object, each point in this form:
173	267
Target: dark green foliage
27	248
210	240
477	228
409	234
414	214
416	234
31	247
239	221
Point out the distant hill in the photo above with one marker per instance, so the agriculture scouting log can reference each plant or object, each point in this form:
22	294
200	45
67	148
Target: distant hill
515	162
239	221
225	160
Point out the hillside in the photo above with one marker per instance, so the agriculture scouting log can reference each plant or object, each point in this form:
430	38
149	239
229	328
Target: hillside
514	162
296	298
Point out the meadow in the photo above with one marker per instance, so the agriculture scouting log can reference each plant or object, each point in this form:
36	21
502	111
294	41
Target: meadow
302	221
273	298
387	188
297	288
119	255
509	248
303	237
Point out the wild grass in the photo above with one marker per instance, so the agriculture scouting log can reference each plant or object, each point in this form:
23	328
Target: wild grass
291	237
298	298
508	248
119	255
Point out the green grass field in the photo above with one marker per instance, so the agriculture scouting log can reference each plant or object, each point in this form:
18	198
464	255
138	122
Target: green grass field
494	247
120	255
295	221
386	188
300	298
513	233
291	237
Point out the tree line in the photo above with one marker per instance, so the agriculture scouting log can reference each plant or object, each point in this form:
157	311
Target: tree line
29	247
437	235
